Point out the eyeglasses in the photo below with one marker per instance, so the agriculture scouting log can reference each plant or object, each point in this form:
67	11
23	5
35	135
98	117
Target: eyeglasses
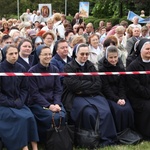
82	54
46	54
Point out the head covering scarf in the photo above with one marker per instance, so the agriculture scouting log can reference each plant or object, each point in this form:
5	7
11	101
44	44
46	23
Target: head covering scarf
37	53
110	48
140	45
76	49
3	51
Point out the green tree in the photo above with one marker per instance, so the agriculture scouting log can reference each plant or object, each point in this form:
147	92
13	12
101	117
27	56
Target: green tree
98	8
109	8
6	10
119	8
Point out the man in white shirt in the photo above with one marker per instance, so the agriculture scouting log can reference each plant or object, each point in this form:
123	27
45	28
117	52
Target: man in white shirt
38	17
26	16
58	26
135	22
32	17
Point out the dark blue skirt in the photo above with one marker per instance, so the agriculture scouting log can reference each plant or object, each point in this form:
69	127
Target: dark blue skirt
123	115
107	127
44	119
17	127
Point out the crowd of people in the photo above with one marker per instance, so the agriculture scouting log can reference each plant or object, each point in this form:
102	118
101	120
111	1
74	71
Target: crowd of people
32	44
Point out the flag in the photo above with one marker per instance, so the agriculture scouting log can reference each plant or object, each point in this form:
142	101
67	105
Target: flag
146	20
131	15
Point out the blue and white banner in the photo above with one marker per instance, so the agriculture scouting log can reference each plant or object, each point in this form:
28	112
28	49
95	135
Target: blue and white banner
146	20
131	15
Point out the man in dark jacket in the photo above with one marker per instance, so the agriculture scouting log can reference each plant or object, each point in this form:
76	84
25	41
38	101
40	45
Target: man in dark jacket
76	20
61	58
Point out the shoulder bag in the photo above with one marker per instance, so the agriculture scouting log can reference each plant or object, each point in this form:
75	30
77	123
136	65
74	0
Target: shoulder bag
61	137
87	138
129	137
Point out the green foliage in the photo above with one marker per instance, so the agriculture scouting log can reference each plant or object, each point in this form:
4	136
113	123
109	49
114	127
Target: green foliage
102	9
89	19
95	20
98	8
69	18
125	18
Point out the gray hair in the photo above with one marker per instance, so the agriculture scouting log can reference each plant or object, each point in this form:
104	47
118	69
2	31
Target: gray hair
111	49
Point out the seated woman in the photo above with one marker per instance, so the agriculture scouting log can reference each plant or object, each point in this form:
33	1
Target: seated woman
139	88
17	123
114	90
80	91
110	40
45	92
25	57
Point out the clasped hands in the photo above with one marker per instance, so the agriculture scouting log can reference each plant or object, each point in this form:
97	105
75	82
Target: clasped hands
55	108
121	102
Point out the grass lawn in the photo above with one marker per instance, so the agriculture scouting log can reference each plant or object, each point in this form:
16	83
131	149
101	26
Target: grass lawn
141	146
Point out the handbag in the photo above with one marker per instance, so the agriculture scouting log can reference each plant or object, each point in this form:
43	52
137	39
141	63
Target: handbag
129	137
87	138
61	137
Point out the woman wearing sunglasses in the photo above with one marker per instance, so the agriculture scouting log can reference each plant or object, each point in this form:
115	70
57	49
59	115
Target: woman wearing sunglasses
80	91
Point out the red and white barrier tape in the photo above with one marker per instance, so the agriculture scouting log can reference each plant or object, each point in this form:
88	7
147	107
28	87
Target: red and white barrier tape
73	74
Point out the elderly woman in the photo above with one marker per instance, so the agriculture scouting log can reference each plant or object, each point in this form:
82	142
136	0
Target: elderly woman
139	88
95	48
17	123
119	34
45	92
49	39
80	91
14	33
114	90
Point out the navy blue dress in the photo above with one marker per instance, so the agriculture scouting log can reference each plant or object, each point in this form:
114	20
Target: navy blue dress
17	123
139	94
114	89
24	63
45	90
80	91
